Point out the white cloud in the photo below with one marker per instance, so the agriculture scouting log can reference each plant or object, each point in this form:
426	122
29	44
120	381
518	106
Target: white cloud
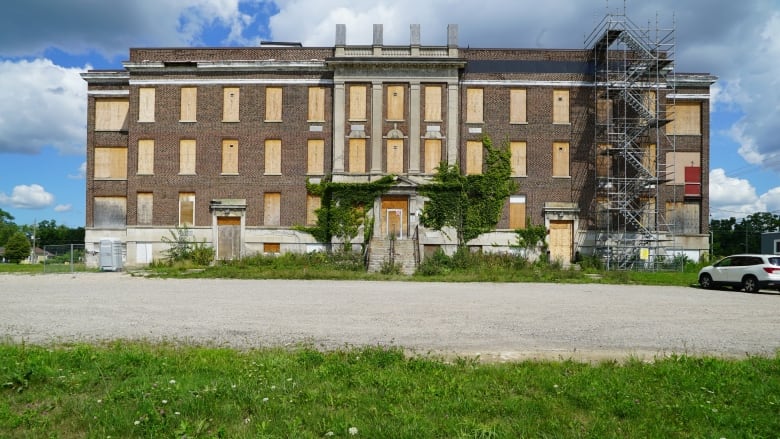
81	173
41	104
736	197
33	196
63	208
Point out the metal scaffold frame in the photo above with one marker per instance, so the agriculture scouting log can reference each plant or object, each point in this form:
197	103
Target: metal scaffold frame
632	69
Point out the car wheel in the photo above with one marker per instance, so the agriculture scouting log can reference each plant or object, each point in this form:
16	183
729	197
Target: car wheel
750	284
705	281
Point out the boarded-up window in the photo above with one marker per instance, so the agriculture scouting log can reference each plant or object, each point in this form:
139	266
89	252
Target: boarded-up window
189	104
560	154
315	161
273	157
357	156
649	160
395	102
111	114
316	104
313	202
145	157
603	160
273	104
474	112
517	106
432	103
676	163
395	156
272	208
685	119
604	111
109	212
145	104
186	209
517	212
357	102
683	218
649	102
187	156
518	160
473	157
272	247
110	163
560	106
230	157
432	155
230	104
144	207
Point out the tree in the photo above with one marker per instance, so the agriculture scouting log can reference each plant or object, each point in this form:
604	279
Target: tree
730	236
471	204
7	226
17	248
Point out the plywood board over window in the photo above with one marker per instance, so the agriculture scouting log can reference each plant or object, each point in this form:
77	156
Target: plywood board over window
144	206
273	157
186	209
109	212
685	119
517	212
432	155
146	104
189	104
517	106
676	163
432	103
110	163
230	104
561	106
316	104
357	156
272	202
395	156
315	161
560	153
111	114
474	111
474	157
313	202
357	102
395	102
145	157
230	157
187	156
518	158
683	217
273	104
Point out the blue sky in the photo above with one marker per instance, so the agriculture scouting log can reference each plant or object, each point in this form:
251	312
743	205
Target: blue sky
45	44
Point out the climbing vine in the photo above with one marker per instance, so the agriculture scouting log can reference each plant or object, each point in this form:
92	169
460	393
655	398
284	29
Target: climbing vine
344	208
471	204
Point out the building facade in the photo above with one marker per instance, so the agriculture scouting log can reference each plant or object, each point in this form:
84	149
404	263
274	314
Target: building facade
223	140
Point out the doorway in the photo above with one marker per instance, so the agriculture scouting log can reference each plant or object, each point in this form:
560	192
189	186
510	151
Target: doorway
393	213
561	237
228	237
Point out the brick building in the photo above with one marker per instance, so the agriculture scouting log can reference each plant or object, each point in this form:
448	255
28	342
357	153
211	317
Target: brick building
223	140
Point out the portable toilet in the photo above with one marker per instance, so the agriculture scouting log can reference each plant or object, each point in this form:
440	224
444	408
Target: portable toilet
110	254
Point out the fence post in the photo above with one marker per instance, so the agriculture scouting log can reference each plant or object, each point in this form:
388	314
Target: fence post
71	258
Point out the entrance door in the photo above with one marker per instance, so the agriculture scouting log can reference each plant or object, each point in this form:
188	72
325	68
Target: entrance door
394	211
561	236
229	237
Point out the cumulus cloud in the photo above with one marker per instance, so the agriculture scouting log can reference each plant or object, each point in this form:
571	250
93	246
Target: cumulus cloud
23	196
63	208
41	104
736	197
81	173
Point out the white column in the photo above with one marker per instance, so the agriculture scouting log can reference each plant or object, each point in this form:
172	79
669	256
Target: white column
414	129
453	113
339	125
376	127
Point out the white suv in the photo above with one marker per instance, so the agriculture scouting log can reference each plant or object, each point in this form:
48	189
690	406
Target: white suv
749	272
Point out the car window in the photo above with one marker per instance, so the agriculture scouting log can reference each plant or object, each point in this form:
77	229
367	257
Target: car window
725	262
754	261
774	261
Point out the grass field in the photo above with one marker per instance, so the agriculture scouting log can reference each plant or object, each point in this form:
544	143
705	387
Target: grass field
128	390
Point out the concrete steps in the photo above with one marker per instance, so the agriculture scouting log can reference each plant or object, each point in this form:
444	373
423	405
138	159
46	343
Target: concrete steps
399	252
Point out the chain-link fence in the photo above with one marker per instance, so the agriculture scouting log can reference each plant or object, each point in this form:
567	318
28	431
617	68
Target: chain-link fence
63	258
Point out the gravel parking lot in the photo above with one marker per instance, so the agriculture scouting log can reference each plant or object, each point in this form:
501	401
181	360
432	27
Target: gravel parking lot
497	321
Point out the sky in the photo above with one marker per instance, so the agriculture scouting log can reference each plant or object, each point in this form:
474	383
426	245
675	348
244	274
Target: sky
46	44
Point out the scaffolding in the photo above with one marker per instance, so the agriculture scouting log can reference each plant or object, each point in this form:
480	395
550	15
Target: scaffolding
632	78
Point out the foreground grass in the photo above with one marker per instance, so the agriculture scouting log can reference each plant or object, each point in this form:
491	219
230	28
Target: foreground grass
136	390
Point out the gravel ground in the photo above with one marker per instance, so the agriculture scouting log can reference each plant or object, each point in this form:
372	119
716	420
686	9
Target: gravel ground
496	321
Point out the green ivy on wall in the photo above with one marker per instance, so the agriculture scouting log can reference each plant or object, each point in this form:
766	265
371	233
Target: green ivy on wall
471	204
344	208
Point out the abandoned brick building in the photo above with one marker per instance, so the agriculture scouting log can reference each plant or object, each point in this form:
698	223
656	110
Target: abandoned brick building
609	145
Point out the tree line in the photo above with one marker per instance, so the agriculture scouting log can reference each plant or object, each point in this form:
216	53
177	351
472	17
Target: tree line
730	236
16	239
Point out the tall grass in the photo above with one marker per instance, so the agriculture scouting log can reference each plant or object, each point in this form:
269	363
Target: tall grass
129	390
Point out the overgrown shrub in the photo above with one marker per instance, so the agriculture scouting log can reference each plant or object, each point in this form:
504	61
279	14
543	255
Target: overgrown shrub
183	247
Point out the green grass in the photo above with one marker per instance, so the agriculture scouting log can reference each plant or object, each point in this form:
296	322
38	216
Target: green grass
129	390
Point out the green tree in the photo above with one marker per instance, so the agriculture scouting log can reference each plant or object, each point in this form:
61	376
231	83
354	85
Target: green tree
7	226
17	248
730	236
471	204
